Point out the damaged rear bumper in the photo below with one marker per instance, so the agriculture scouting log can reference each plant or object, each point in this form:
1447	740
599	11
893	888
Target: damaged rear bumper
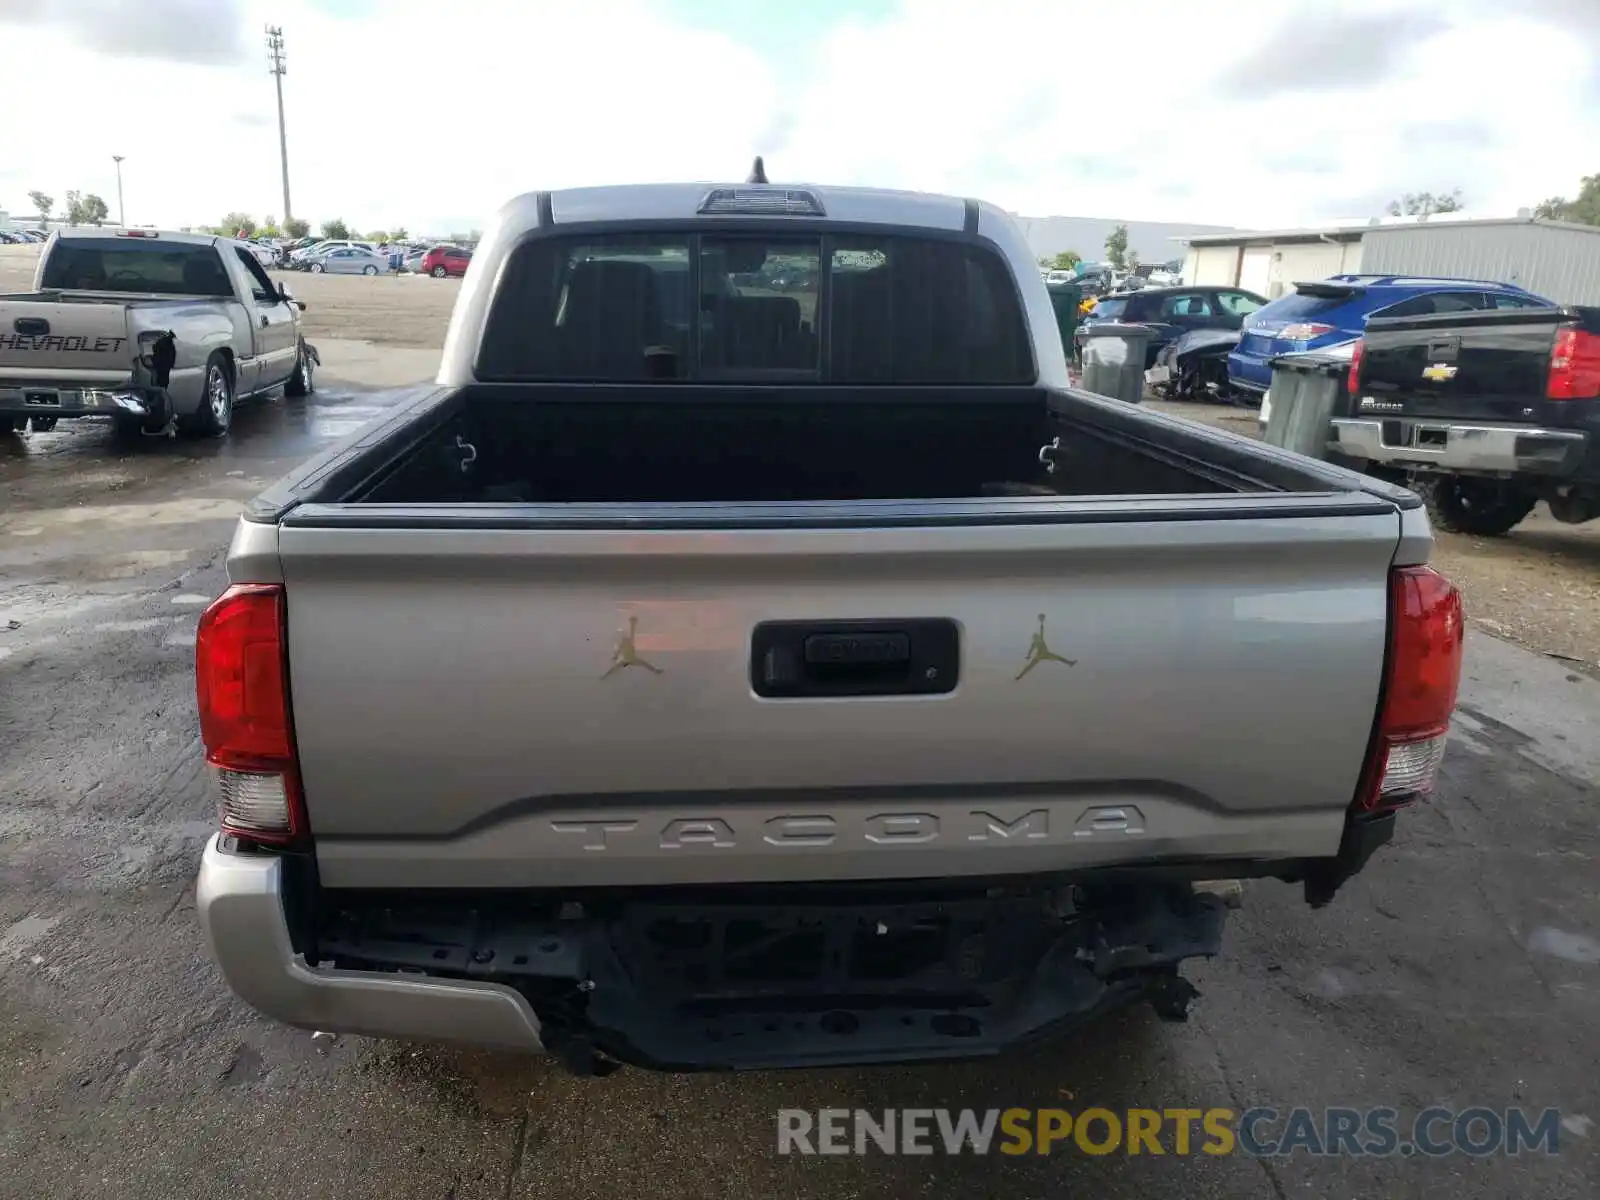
831	975
242	902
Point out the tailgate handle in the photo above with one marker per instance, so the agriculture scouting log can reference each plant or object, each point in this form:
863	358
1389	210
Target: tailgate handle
1444	348
31	326
871	649
911	657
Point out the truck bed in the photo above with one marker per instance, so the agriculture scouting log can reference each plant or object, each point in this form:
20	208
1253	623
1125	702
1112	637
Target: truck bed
1191	581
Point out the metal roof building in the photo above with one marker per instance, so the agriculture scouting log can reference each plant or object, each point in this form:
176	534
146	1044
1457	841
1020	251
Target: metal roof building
1555	259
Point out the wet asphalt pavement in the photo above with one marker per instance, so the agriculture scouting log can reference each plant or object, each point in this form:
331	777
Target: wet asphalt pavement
1462	968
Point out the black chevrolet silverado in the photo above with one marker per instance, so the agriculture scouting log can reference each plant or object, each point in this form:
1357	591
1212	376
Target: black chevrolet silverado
1489	412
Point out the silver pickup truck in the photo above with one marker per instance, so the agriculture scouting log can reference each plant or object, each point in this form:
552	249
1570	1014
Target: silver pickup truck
150	329
754	653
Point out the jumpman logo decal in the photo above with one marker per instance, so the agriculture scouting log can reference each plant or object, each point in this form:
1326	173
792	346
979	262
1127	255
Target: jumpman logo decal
627	653
1039	651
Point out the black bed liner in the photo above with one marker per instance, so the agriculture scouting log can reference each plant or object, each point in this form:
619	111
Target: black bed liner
317	493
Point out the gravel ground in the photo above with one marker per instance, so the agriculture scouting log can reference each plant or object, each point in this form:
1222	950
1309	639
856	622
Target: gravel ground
1538	586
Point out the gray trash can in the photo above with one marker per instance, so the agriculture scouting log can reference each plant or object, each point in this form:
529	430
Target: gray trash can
1113	359
1307	392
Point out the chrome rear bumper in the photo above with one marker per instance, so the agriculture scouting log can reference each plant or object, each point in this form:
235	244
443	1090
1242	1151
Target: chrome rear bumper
239	898
1455	446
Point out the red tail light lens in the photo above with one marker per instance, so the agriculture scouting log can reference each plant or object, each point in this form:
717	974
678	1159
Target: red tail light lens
1419	690
1357	353
242	687
1304	331
1574	366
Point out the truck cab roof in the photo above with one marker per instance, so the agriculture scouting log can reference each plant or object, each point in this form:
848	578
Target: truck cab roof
685	201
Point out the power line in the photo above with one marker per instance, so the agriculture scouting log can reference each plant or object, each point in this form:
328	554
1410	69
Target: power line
275	68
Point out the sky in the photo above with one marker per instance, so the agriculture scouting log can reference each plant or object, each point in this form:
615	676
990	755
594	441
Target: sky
429	114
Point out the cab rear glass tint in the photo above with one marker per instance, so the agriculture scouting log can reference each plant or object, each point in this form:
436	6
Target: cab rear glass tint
136	265
775	306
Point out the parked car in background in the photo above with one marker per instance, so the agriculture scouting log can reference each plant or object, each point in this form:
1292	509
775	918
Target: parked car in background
1489	411
1173	312
346	260
148	328
10	237
266	254
322	247
1330	312
445	260
413	260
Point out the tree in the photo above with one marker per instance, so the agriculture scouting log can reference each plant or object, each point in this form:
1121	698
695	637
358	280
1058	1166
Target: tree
336	229
398	233
75	209
296	228
1585	210
1117	248
378	236
42	203
269	227
1425	204
1065	261
237	224
94	210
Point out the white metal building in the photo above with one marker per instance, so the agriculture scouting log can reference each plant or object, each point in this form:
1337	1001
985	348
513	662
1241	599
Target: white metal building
1554	259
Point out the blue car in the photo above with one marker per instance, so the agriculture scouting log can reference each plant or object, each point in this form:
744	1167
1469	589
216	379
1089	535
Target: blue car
1331	312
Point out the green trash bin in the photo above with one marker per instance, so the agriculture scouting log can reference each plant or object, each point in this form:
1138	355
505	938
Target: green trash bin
1065	298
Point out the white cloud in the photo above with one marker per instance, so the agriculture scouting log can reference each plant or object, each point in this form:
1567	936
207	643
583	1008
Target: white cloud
429	114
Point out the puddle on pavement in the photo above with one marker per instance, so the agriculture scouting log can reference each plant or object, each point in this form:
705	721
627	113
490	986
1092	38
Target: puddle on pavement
295	425
139	516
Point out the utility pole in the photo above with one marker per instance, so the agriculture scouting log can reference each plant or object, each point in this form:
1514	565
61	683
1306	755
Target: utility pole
122	213
275	66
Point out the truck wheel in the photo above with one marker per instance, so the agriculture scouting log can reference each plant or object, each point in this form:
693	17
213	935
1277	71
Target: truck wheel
44	424
215	413
315	268
302	382
1484	507
440	272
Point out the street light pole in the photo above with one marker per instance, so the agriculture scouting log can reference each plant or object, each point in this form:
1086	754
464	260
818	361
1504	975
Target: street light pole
275	68
122	213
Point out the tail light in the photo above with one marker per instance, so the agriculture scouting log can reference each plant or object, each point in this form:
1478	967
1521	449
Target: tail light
242	685
1304	331
1574	365
1421	676
1357	353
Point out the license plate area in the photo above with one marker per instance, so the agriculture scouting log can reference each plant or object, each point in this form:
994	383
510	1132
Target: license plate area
1426	437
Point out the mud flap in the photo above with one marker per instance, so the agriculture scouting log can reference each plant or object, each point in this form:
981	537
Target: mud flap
1363	834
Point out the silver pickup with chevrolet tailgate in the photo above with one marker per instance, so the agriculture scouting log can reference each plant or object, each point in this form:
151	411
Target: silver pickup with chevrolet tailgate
158	331
754	654
1489	412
